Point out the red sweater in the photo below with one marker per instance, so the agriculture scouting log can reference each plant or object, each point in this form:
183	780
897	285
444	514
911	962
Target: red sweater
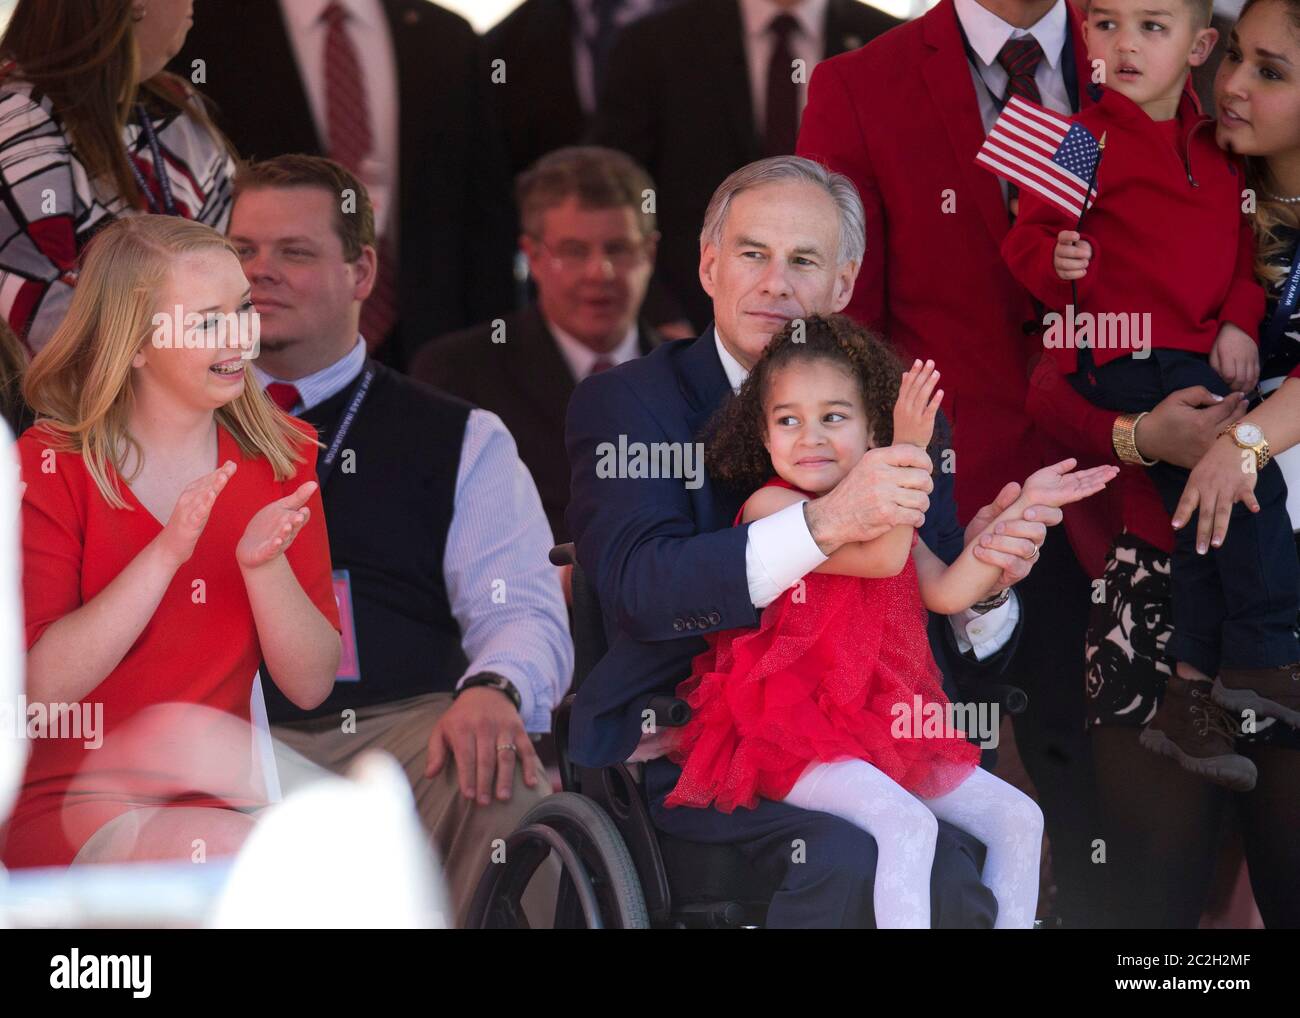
1167	233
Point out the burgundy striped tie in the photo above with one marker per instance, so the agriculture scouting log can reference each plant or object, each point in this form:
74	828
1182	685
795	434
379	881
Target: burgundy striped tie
1020	59
350	143
782	129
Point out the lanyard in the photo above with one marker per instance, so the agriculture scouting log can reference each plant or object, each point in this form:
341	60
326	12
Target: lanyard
159	168
1286	303
326	465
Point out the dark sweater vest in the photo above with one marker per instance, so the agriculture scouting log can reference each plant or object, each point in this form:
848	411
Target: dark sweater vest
388	513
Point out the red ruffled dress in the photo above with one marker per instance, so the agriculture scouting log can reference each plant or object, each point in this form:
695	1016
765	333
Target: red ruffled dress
820	679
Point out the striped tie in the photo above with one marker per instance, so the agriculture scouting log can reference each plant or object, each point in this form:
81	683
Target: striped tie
1020	59
351	143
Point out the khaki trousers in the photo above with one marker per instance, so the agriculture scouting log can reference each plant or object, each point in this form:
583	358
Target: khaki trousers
462	831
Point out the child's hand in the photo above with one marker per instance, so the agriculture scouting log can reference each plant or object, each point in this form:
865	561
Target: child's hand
1072	255
1235	356
272	530
1057	485
917	404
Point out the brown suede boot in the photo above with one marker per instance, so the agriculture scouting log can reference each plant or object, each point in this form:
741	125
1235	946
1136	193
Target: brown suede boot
1269	692
1193	731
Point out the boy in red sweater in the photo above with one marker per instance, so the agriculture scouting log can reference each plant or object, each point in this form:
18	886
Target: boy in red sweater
1165	268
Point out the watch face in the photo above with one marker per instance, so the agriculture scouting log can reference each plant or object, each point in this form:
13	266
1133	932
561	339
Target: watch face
1249	434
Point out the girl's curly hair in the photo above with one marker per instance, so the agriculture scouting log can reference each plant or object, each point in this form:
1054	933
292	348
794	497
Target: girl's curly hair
734	452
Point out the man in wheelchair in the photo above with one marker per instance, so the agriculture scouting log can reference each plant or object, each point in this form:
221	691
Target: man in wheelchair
782	239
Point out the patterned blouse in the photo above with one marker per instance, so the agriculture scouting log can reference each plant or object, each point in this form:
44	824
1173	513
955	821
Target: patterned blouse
49	208
1280	357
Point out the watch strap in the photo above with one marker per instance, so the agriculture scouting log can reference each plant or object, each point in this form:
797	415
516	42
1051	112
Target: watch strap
492	681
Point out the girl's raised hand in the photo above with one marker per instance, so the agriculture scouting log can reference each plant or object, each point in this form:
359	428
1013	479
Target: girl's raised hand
190	514
272	530
917	404
1060	485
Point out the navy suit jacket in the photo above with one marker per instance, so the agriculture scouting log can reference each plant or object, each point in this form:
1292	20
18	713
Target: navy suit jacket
664	558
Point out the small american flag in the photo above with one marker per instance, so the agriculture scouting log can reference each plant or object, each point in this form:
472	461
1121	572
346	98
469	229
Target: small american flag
1043	152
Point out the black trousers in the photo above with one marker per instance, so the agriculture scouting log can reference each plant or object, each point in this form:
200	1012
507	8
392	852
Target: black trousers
832	884
1048	665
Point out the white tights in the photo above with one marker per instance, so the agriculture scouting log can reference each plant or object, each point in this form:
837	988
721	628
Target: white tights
1007	821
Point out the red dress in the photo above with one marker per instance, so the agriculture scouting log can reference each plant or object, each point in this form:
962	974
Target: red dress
818	680
200	647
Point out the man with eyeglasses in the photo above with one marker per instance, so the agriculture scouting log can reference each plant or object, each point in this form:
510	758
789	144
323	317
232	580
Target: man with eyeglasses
590	243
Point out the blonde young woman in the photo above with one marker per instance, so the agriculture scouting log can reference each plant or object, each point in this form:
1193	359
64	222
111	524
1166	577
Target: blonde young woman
92	128
172	538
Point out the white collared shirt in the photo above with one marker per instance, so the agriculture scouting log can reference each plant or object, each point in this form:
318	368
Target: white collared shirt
780	551
367	27
987	34
807	44
580	357
320	385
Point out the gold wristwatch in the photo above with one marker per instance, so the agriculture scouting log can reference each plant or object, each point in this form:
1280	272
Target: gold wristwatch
1123	436
1247	435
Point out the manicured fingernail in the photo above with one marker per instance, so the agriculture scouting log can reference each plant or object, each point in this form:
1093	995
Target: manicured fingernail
1200	548
1177	524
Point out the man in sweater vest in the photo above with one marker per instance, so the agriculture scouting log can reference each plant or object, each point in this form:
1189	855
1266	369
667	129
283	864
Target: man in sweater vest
455	630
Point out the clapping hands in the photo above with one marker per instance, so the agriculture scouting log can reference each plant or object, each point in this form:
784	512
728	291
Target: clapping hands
1059	484
917	405
272	530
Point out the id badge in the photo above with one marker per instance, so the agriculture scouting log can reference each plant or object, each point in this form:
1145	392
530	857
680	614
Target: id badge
349	667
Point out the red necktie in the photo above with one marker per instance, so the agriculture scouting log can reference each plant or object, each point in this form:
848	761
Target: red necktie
350	143
782	93
600	364
283	395
1020	59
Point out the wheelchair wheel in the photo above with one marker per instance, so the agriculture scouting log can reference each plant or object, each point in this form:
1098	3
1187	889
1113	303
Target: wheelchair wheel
599	888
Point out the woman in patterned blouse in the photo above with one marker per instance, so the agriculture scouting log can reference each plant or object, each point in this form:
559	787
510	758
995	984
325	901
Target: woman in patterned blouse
92	128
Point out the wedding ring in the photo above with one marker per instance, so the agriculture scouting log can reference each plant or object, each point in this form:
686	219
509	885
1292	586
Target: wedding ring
508	747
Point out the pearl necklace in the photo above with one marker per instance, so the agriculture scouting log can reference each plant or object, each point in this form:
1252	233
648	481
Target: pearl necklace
1285	201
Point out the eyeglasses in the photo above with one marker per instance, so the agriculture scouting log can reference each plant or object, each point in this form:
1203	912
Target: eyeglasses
573	255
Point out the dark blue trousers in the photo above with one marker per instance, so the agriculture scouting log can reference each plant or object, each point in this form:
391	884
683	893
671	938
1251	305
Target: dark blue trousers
831	886
1236	605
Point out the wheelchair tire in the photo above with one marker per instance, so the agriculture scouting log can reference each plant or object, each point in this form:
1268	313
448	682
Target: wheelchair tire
600	886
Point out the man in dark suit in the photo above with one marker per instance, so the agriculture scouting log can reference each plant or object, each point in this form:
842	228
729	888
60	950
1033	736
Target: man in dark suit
590	248
701	89
903	118
417	130
553	52
668	565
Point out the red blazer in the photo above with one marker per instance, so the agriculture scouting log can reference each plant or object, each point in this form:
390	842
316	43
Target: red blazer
900	117
1167	233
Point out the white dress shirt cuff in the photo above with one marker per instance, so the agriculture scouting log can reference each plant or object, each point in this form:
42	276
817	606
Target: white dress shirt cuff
988	633
779	552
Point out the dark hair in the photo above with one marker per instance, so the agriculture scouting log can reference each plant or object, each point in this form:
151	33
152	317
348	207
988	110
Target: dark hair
81	54
1274	221
1202	11
734	452
355	228
600	178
